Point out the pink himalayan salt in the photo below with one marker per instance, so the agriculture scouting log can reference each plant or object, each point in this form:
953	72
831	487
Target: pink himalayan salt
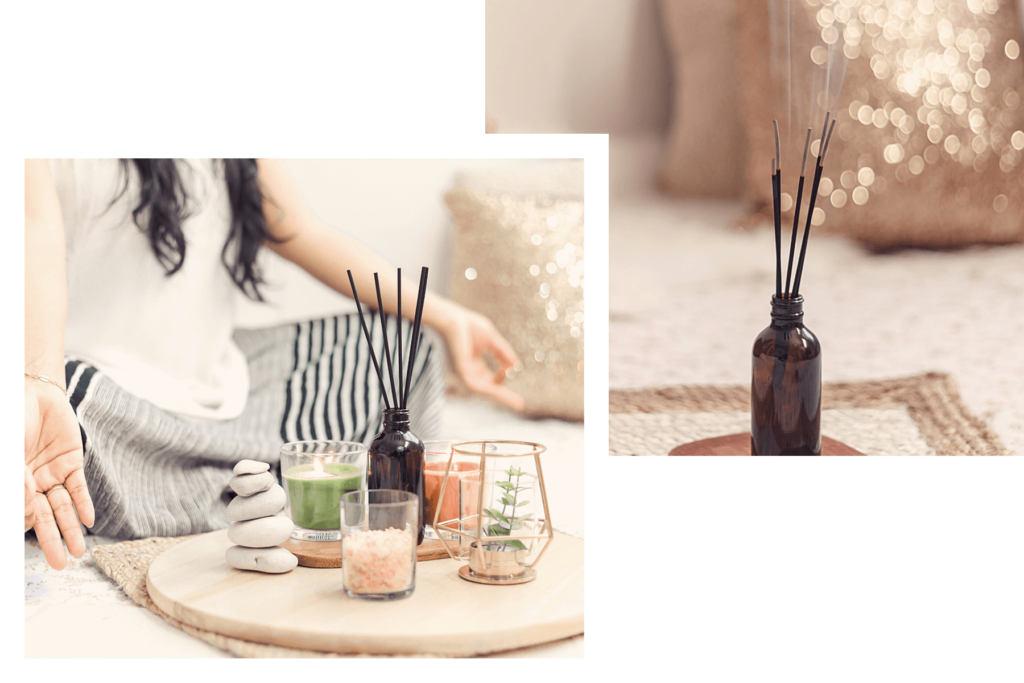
378	561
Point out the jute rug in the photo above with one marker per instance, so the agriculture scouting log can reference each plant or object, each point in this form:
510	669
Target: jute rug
918	415
127	564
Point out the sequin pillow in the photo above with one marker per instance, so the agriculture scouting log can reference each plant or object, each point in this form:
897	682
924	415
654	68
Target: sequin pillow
517	258
929	148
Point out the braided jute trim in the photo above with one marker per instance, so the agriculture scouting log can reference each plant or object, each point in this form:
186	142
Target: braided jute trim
931	399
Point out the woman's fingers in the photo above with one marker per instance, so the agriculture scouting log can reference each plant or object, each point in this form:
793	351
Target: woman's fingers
48	535
79	491
468	340
30	498
67	520
54	518
490	387
501	349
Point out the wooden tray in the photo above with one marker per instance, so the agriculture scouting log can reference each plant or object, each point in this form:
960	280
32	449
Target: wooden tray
307	609
739	444
327	554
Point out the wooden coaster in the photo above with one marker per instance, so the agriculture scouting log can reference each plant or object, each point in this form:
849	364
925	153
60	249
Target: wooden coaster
739	444
327	554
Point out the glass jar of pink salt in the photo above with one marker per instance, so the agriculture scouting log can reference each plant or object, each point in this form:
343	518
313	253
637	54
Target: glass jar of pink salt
378	543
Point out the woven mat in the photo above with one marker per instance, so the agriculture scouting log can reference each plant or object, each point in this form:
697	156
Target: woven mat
127	563
918	415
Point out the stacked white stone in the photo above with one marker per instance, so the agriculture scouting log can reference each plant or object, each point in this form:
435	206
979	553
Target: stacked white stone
256	528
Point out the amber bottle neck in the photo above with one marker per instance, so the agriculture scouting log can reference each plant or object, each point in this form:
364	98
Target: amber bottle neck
396	418
787	311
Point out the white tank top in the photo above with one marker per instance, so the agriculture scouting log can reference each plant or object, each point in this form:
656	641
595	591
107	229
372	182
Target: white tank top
165	339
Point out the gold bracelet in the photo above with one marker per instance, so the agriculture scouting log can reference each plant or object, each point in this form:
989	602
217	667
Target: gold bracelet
44	378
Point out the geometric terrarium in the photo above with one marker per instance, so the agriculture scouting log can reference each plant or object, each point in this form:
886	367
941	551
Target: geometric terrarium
503	525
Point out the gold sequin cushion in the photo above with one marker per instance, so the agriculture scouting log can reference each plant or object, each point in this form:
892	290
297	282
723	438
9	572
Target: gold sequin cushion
928	149
518	259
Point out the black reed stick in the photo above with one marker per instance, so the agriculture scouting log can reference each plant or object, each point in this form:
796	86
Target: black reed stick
796	215
369	341
415	347
807	230
400	383
828	140
408	358
777	200
778	368
821	144
778	230
814	194
387	351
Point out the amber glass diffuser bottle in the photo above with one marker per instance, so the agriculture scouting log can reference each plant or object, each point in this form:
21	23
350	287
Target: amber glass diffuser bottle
785	392
396	461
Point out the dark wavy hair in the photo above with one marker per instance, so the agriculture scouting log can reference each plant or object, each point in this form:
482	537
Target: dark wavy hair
164	204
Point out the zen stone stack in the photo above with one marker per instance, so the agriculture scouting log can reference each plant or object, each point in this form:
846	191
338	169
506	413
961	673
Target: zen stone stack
256	528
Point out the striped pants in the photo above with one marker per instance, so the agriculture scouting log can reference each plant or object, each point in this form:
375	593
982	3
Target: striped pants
151	473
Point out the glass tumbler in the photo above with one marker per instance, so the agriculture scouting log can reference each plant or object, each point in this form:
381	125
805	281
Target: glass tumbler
379	528
315	475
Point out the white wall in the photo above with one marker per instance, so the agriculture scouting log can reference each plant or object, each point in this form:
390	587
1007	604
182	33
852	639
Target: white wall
394	206
576	66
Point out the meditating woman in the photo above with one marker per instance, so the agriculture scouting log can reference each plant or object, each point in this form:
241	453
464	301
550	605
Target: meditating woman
139	393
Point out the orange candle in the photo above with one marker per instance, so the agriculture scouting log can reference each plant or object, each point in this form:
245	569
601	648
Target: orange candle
433	476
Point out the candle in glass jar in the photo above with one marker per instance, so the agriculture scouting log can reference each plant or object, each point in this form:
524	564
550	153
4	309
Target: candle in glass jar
314	492
433	475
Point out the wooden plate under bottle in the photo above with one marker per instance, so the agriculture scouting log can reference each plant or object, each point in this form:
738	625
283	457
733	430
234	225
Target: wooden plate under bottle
739	444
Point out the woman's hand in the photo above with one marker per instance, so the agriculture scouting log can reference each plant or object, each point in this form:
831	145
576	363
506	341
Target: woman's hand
30	499
53	455
468	335
53	440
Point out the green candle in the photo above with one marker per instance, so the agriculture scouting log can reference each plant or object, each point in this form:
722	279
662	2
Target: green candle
314	494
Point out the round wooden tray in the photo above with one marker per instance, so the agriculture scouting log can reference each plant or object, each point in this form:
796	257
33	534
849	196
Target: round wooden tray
307	609
739	444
